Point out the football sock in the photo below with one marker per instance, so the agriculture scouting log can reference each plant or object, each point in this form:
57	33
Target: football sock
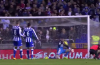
32	51
21	53
66	54
28	53
14	52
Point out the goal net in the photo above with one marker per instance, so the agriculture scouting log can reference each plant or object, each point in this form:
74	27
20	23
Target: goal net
76	30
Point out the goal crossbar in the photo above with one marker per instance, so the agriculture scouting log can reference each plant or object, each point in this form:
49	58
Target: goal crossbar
42	17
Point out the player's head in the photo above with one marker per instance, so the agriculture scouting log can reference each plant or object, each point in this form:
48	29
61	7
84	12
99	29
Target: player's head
28	24
17	23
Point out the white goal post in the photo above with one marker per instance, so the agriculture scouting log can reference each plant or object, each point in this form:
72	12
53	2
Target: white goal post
43	17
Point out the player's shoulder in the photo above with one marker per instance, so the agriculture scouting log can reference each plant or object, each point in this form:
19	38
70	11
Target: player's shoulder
32	29
15	27
29	29
25	28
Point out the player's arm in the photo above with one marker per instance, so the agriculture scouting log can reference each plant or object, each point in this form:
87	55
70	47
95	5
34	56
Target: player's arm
24	33
35	34
20	32
66	45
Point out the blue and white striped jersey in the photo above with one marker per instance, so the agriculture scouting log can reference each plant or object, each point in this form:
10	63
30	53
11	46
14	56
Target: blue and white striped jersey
17	33
29	33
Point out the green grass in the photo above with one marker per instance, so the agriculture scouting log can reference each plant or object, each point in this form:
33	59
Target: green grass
51	62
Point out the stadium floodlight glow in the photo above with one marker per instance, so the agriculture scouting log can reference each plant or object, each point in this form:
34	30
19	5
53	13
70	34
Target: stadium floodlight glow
57	17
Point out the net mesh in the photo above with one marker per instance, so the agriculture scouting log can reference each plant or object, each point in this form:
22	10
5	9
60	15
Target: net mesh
49	30
94	31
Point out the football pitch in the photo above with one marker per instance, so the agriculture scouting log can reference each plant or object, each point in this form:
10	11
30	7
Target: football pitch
51	62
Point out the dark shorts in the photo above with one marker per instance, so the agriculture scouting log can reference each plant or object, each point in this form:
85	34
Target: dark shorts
17	43
92	51
29	44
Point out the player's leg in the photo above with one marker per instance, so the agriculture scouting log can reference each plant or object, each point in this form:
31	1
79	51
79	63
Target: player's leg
21	49
59	52
32	49
67	51
21	52
15	49
96	54
27	45
28	56
91	53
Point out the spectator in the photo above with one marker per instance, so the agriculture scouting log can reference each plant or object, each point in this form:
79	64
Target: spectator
47	36
40	13
22	5
86	12
6	5
28	6
3	13
5	23
61	8
97	11
23	23
55	12
78	12
42	7
97	6
33	11
60	2
49	3
1	33
75	8
25	13
72	33
48	12
8	34
70	12
62	13
64	5
92	9
96	18
64	34
85	8
11	10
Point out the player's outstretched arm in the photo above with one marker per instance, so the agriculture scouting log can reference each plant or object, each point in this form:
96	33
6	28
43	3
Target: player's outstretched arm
35	35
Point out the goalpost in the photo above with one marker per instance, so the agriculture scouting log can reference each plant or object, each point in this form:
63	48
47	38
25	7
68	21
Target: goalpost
62	21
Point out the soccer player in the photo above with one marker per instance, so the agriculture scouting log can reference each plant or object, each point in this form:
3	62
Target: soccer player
61	49
29	33
17	33
95	50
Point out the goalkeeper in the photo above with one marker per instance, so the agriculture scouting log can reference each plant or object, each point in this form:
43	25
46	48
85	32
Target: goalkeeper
61	49
95	50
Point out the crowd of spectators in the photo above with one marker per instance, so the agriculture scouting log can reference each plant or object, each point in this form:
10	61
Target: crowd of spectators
47	8
50	34
50	8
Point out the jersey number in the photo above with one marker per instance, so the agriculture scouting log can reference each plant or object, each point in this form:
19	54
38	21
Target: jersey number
14	32
28	33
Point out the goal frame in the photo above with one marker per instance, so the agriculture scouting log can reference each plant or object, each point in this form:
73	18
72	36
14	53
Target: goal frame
42	17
